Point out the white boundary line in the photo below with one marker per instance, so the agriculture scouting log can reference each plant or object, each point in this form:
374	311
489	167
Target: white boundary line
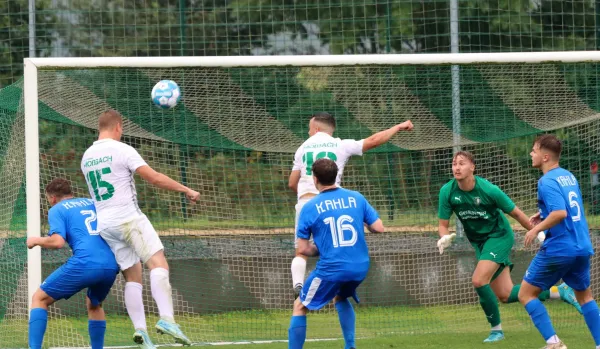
210	344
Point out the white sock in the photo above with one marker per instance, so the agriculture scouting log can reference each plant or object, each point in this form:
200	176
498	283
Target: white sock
553	340
497	327
162	293
298	271
554	293
135	305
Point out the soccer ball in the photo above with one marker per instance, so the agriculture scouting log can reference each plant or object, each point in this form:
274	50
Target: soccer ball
166	94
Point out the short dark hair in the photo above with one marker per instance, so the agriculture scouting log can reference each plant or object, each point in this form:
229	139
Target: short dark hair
59	187
325	170
550	143
465	154
109	120
324	118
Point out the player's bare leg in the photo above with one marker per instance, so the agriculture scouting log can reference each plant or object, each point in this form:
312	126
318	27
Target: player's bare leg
528	296
591	313
298	271
163	296
96	324
482	276
297	330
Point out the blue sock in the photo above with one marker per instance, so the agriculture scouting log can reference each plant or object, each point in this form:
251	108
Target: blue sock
38	319
591	314
297	332
347	321
540	318
97	329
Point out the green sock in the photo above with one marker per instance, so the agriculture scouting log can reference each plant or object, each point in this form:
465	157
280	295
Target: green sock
489	304
514	295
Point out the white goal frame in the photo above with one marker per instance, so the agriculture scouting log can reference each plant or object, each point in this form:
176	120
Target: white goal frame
30	89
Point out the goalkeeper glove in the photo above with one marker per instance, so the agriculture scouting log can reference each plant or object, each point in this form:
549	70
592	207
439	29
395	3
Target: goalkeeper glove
445	242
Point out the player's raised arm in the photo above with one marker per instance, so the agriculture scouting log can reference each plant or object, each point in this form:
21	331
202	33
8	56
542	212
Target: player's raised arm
384	136
164	182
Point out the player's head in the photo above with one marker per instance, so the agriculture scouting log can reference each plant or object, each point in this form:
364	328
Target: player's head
546	150
58	190
463	165
111	123
324	173
321	122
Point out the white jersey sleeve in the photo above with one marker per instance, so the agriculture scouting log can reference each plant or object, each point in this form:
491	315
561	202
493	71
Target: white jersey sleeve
134	159
352	147
298	160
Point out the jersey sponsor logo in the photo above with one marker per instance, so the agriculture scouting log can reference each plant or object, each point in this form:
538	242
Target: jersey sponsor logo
477	200
458	198
470	214
97	161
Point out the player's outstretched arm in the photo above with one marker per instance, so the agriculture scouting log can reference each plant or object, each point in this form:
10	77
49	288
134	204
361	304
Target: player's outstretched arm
306	248
445	237
376	227
293	180
383	137
164	182
54	241
520	217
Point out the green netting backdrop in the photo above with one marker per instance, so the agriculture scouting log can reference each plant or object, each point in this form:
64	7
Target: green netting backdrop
233	136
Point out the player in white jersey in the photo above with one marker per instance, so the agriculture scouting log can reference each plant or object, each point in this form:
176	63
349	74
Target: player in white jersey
322	144
108	166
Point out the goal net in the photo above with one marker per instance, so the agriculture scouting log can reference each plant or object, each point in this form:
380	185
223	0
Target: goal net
232	138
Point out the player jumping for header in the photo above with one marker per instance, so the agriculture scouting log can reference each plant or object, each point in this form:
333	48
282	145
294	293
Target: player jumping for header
109	166
322	144
480	206
566	251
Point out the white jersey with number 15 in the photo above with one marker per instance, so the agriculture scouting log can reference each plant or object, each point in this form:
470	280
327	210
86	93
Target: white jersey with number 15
108	167
319	146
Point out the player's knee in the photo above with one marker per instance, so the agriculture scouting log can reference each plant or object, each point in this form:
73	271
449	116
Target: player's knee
41	299
479	281
158	260
584	297
299	308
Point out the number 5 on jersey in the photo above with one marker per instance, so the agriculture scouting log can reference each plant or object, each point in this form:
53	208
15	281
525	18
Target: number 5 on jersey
309	158
95	181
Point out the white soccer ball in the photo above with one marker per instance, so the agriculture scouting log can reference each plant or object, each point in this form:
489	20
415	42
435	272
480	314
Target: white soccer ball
166	94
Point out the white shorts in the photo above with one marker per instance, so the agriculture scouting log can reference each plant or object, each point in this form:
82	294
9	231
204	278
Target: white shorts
299	205
132	241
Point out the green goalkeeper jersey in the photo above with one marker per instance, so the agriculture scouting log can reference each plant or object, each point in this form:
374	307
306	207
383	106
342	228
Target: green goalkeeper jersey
480	210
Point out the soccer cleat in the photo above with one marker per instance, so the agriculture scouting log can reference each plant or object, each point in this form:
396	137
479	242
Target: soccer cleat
172	329
559	345
297	290
141	338
568	296
495	336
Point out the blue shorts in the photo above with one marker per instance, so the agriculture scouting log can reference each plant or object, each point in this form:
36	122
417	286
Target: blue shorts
545	271
67	280
316	292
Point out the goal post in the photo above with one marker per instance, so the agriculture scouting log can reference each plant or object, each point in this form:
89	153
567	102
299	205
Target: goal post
234	133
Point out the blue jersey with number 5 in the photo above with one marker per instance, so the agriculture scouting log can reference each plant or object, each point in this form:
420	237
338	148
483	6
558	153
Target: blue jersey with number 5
75	220
558	190
335	218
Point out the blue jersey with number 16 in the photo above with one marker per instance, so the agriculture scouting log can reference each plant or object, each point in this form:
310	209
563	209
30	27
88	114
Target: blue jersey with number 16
335	218
75	220
558	190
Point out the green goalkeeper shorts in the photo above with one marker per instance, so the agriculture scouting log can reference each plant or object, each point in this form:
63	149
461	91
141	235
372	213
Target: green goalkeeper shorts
496	249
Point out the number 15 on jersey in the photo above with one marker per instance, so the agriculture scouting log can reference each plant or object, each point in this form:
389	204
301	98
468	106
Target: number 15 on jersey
309	158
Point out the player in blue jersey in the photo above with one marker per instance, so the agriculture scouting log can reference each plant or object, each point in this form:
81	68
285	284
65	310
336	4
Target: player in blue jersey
335	219
92	266
566	251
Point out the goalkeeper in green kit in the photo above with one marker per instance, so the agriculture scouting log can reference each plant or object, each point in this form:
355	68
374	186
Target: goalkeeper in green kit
480	206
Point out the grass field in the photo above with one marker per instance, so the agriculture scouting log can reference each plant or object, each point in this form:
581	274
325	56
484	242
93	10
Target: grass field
393	327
